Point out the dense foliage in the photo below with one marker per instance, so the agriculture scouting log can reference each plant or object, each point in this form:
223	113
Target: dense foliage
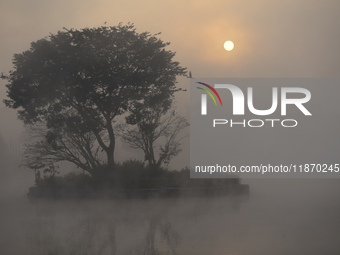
71	86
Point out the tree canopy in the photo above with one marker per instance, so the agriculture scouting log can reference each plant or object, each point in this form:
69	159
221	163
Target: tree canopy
75	82
155	130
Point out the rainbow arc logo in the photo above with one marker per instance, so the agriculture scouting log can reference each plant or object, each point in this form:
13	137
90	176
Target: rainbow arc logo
209	93
204	97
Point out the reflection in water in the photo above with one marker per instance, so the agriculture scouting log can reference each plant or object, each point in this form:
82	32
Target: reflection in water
70	233
166	233
282	217
147	227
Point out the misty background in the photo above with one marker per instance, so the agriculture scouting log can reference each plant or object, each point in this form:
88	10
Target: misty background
278	39
272	39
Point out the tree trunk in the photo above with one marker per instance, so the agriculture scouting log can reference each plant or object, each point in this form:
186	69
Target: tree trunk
110	158
111	147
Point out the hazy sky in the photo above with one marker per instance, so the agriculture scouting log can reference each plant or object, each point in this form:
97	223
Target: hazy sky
290	38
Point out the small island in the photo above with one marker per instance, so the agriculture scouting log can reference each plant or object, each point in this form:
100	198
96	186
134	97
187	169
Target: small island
133	179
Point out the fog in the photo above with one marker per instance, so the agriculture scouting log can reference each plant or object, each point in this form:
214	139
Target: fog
282	216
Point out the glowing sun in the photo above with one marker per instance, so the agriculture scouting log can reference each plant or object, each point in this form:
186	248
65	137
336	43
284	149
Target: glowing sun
228	45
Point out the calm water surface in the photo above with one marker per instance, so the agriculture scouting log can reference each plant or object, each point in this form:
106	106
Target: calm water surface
286	217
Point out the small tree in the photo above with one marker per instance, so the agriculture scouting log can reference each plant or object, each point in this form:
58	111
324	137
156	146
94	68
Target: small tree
78	147
76	82
153	122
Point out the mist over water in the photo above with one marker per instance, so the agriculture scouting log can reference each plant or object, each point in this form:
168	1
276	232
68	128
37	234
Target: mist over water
281	217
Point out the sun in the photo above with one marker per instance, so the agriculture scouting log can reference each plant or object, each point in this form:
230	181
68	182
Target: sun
228	45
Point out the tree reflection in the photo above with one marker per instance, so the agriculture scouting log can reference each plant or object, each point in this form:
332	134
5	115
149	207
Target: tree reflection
161	228
63	228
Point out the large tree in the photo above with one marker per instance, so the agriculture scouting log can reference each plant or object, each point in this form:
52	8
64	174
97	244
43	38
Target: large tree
76	82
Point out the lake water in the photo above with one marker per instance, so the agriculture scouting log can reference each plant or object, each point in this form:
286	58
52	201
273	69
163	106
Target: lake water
281	217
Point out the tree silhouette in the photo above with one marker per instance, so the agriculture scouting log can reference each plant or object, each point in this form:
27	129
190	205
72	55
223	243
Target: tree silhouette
153	122
76	82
